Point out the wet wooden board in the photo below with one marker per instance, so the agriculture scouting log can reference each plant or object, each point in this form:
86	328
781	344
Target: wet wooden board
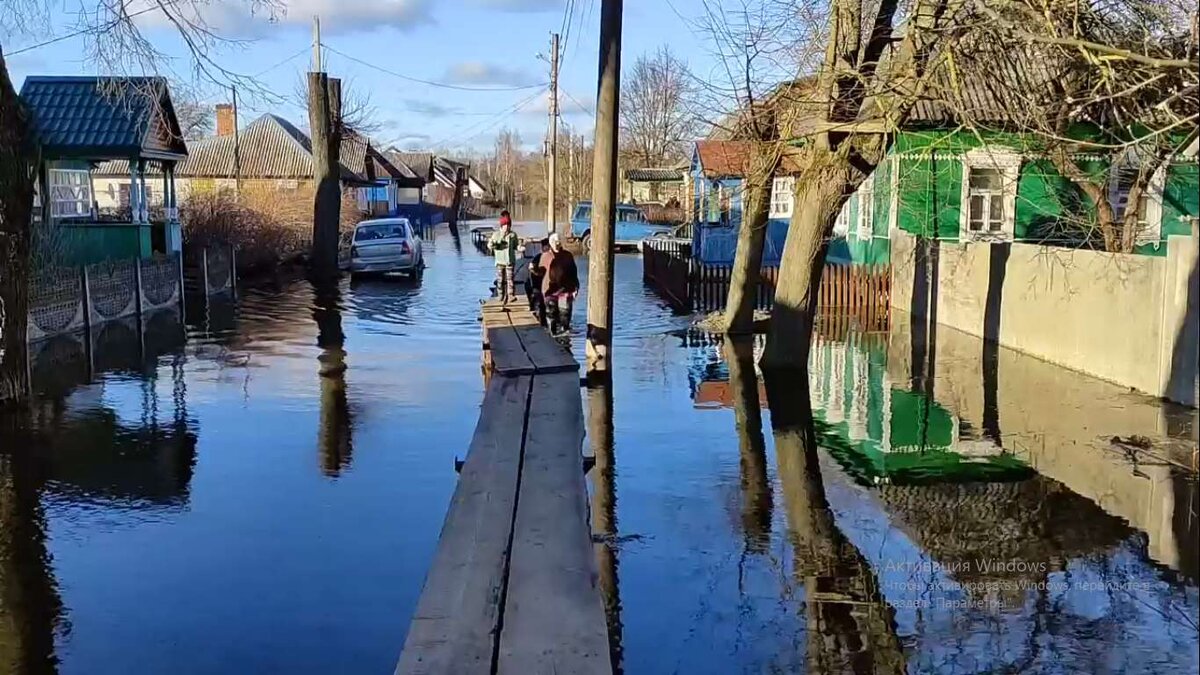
554	619
457	618
508	354
546	354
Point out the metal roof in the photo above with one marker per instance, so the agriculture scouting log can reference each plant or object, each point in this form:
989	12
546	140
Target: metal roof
653	175
104	117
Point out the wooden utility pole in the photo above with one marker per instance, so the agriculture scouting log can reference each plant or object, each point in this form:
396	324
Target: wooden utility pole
325	127
604	190
237	148
552	180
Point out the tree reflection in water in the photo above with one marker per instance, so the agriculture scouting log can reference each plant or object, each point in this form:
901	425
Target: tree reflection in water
851	628
335	427
747	411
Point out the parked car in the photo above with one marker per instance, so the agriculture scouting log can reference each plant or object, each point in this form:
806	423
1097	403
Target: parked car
383	246
632	226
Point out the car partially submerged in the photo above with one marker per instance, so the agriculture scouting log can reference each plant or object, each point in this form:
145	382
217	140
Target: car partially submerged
385	246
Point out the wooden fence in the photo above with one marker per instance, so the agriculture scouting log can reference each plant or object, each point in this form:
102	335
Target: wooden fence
689	286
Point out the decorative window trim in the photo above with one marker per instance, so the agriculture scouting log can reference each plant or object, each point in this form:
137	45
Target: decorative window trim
865	227
841	225
1008	162
1151	232
894	195
70	192
783	196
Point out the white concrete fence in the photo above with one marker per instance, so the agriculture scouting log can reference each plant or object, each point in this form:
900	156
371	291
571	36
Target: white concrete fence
1128	319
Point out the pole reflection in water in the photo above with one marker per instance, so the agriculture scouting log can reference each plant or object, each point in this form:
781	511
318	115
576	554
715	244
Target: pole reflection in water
851	628
747	412
31	610
335	425
604	508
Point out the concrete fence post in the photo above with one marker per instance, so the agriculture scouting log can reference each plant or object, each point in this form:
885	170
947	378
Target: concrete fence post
233	289
85	286
182	302
137	286
204	272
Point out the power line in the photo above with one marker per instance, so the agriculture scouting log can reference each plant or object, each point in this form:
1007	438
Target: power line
95	29
303	50
582	107
470	131
431	83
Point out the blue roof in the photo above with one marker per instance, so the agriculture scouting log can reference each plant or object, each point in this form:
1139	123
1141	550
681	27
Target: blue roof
104	117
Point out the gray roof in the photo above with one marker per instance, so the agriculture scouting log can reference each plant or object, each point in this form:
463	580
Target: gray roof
104	117
270	147
653	175
421	163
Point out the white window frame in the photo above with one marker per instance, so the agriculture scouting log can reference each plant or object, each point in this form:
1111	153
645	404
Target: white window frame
1008	162
841	225
1150	230
783	196
894	196
70	193
865	227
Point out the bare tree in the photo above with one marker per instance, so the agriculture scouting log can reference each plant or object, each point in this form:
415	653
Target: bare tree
656	120
875	71
196	118
114	42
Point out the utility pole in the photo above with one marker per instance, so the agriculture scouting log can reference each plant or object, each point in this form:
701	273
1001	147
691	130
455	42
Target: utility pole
325	128
570	169
604	190
316	46
552	180
237	148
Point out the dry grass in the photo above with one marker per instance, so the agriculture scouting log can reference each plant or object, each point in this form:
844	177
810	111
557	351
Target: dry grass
269	227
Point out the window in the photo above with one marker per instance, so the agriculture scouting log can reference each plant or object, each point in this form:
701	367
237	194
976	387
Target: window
716	200
583	212
866	208
70	193
1147	218
841	226
989	194
782	196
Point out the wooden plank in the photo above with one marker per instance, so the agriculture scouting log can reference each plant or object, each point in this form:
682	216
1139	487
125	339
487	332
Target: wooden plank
544	352
508	354
457	618
554	620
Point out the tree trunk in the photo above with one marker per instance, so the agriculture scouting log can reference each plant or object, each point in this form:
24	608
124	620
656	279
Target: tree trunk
819	197
752	234
18	158
327	200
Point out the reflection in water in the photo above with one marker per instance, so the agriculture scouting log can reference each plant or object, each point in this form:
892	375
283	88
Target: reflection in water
851	628
747	414
31	611
335	436
604	509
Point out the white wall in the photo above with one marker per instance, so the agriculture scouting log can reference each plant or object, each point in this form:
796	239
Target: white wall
1115	316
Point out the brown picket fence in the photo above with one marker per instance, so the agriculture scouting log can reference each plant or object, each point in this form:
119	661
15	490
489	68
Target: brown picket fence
862	291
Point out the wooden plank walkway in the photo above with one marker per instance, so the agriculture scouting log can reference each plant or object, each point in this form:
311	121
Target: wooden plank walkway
513	584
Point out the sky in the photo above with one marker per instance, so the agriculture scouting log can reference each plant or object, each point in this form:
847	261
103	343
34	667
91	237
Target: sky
474	44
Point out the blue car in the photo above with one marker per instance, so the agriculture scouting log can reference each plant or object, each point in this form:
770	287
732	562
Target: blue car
632	226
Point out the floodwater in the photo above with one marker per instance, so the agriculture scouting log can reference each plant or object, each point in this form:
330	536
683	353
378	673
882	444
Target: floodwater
202	500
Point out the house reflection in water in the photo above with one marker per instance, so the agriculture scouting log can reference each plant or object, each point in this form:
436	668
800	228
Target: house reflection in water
1003	533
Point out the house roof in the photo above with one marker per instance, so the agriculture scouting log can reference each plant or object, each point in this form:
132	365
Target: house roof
270	147
421	163
722	159
104	117
654	175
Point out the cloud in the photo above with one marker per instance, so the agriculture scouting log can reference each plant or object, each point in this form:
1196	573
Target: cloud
429	108
480	73
412	142
521	5
233	18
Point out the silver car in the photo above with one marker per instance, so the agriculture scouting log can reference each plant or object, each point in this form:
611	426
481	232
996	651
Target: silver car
385	245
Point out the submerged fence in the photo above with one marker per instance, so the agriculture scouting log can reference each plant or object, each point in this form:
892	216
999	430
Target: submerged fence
690	286
72	299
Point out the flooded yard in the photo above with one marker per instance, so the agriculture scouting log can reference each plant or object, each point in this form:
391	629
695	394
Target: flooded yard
207	502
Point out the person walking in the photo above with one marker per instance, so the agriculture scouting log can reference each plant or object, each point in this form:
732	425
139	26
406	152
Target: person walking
504	244
533	284
559	285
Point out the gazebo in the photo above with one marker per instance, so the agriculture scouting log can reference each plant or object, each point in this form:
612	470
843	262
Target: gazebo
82	121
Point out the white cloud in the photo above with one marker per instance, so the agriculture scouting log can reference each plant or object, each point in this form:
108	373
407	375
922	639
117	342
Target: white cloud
428	108
480	73
232	17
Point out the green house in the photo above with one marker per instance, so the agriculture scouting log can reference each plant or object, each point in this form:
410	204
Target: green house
988	181
83	121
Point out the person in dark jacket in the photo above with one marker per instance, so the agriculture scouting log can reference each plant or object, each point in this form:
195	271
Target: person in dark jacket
559	285
533	284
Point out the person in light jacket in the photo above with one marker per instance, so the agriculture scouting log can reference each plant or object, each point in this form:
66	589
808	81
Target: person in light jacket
504	244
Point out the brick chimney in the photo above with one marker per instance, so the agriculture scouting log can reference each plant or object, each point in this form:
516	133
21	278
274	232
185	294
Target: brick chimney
225	121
